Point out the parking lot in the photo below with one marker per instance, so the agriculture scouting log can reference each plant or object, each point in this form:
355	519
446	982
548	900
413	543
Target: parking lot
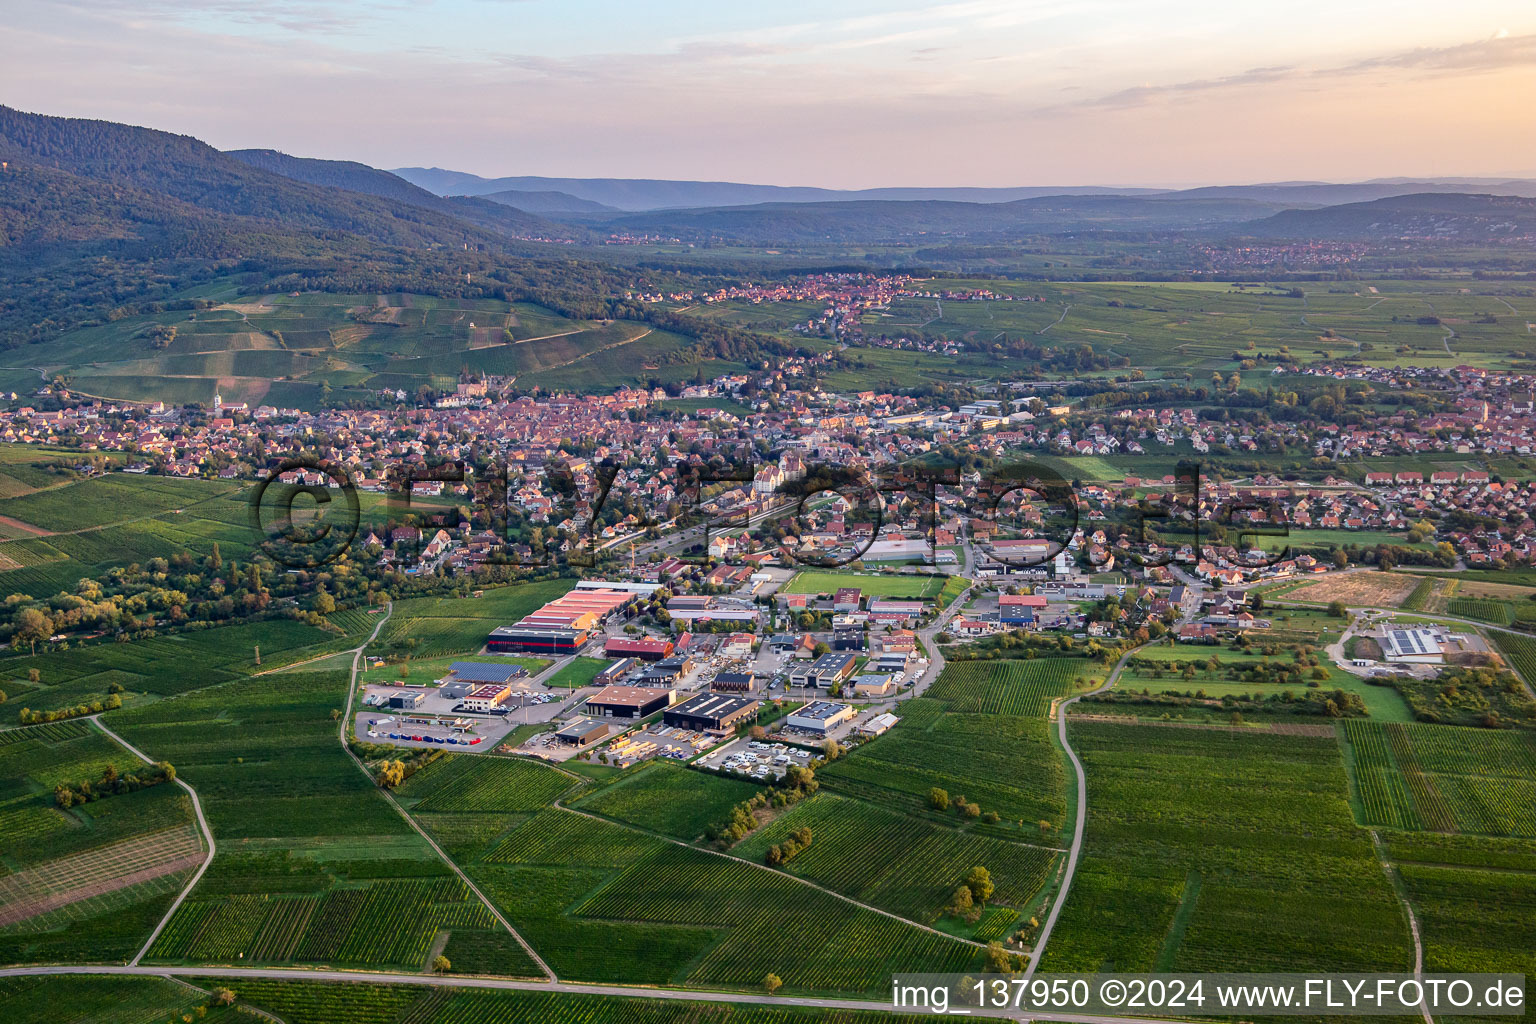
760	759
387	724
413	729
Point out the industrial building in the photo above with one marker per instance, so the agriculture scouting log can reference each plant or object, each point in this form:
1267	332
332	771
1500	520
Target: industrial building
1413	646
627	701
476	672
614	672
644	648
520	639
564	625
735	682
820	717
825	672
710	712
848	638
874	684
487	697
405	700
582	732
1020	609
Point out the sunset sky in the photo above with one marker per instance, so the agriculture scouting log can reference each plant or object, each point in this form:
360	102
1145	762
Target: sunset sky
842	94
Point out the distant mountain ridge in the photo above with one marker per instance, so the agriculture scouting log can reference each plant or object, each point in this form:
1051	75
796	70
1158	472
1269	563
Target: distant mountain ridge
640	195
643	194
355	177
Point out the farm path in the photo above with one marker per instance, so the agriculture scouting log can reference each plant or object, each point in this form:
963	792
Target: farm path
103	526
346	727
773	871
247	1007
1413	920
1067	309
1081	822
597	351
481	982
202	823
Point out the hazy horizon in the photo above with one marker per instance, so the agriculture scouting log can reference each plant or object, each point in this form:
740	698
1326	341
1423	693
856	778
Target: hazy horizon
881	93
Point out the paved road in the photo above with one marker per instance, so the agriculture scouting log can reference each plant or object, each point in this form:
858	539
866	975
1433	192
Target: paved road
1082	812
346	728
436	981
202	823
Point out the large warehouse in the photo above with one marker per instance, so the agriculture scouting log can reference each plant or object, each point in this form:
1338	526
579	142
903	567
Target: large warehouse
649	648
820	717
710	712
536	640
562	626
627	701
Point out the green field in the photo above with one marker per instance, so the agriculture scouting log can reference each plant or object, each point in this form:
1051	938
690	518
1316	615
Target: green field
1162	669
911	587
435	627
1214	849
1445	778
661	796
577	673
313	865
90	843
287	350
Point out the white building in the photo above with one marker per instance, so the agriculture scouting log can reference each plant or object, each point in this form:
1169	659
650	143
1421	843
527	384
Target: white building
1414	646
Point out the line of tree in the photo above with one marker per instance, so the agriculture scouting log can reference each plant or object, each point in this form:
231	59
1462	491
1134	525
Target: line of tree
111	783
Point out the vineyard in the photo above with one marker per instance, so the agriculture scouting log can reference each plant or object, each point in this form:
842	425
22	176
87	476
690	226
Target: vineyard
1024	688
771	923
1446	778
107	1000
385	924
317	1003
461	782
1521	652
664	797
905	865
1006	764
605	903
1483	610
1244	838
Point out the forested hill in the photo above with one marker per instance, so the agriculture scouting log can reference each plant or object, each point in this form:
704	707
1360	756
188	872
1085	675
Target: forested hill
1444	217
97	217
498	216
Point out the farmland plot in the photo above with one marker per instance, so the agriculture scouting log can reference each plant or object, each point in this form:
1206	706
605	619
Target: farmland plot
1446	778
1244	838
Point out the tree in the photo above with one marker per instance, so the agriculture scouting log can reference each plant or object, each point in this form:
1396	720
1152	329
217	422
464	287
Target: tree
31	626
1337	609
772	983
391	774
979	882
961	903
938	799
223	996
441	964
999	960
831	749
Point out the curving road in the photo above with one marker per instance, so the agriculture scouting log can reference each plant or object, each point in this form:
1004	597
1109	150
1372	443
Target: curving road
1082	811
202	823
346	728
438	981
